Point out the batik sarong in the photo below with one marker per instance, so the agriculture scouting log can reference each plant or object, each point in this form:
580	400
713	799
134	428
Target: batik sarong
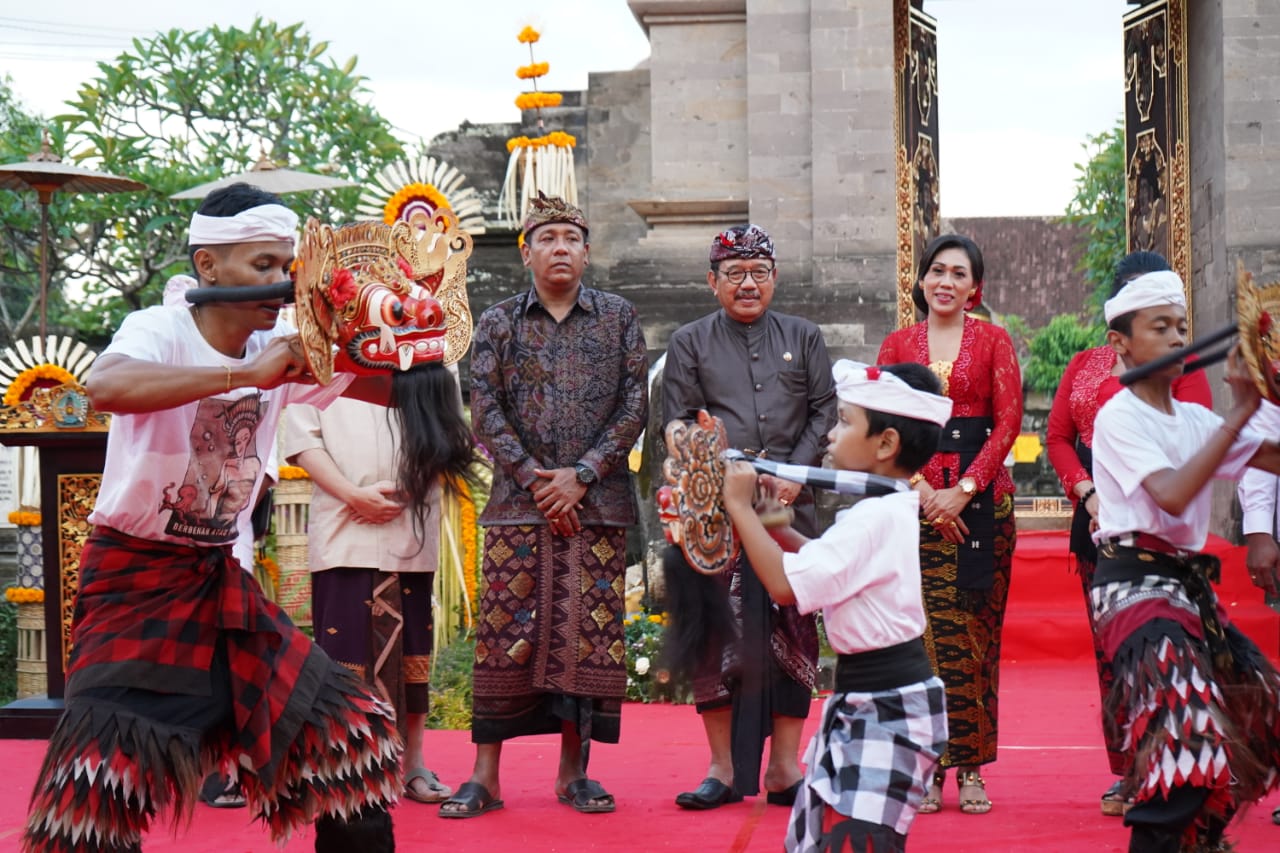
549	644
1191	700
181	667
379	626
869	764
963	638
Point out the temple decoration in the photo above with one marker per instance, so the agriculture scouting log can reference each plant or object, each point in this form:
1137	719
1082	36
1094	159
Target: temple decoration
413	190
915	126
1156	134
540	163
42	381
388	296
1258	309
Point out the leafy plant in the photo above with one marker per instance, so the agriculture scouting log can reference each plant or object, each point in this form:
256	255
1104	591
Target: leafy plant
646	681
8	652
451	684
1099	206
1052	346
20	213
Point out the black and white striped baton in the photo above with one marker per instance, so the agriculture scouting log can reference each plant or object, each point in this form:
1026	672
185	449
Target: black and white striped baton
841	482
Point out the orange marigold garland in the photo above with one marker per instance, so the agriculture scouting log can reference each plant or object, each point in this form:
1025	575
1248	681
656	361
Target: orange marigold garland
24	518
24	595
293	472
409	194
41	375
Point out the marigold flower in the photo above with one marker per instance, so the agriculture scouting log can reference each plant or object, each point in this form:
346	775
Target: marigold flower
528	36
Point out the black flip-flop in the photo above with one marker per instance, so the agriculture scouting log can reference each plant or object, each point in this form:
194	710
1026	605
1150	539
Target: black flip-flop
581	792
475	800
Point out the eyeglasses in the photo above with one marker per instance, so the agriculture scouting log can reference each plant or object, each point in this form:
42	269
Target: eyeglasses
737	276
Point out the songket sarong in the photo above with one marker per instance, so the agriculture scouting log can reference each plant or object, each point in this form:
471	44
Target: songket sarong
379	626
180	667
868	766
1191	700
549	644
963	637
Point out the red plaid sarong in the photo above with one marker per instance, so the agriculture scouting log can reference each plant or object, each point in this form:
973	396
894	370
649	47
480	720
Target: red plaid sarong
159	628
149	615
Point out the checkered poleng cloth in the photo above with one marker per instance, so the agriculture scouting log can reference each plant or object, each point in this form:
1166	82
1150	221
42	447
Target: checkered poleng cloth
870	760
841	482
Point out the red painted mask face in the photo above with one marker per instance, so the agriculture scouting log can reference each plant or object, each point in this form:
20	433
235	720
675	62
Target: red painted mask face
391	322
389	297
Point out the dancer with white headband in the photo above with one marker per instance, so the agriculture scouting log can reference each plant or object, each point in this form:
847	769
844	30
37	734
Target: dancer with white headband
179	664
885	726
1191	700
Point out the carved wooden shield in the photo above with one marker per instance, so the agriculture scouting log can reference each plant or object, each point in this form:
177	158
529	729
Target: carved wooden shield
692	504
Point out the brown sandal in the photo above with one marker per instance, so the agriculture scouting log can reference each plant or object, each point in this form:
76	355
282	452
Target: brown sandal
932	801
970	780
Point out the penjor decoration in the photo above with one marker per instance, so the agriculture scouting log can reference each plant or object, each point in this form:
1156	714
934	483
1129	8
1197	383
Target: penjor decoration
538	164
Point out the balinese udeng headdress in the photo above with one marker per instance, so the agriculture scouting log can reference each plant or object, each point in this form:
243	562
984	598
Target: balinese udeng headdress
1149	290
545	209
744	242
390	297
264	223
880	391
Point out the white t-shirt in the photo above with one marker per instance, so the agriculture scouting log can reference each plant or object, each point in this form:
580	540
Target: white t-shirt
189	475
1132	441
864	572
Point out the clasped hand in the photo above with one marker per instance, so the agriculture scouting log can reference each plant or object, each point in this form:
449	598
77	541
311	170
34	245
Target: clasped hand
376	503
942	508
559	497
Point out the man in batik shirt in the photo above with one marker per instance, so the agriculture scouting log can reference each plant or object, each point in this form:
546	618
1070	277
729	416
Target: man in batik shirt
558	397
768	377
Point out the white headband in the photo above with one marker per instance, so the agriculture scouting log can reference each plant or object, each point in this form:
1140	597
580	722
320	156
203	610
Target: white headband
1146	291
266	223
881	391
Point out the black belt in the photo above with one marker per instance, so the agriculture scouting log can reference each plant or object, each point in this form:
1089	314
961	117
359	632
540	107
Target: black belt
883	669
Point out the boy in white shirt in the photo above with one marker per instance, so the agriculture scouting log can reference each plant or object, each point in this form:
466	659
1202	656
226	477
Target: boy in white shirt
1192	700
885	727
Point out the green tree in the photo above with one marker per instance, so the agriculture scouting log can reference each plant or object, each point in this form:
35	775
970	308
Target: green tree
185	107
1099	206
1052	347
19	213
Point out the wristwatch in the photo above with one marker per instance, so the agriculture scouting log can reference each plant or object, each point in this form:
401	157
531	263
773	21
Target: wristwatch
585	475
968	485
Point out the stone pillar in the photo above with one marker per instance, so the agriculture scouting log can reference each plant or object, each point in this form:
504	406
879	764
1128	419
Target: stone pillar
1234	84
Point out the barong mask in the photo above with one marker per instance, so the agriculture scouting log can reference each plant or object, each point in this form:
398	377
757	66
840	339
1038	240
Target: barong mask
374	297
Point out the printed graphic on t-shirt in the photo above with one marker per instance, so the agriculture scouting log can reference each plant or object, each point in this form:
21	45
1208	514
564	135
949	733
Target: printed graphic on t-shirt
221	472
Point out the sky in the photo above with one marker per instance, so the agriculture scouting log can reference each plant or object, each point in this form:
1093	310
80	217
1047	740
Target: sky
1022	83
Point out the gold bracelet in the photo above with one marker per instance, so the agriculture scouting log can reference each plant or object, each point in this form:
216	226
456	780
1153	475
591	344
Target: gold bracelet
228	369
915	478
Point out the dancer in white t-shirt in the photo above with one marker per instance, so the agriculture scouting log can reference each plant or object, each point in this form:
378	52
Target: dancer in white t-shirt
179	664
885	726
1191	699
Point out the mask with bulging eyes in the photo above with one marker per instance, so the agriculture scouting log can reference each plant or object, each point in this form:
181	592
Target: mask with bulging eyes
374	297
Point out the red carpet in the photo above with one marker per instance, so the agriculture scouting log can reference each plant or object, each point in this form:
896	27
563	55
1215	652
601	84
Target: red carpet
1045	786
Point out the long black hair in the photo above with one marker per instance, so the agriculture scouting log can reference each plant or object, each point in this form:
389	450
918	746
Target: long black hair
436	445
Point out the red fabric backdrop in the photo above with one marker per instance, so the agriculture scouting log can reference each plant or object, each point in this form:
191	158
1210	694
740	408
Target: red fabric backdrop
1046	615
